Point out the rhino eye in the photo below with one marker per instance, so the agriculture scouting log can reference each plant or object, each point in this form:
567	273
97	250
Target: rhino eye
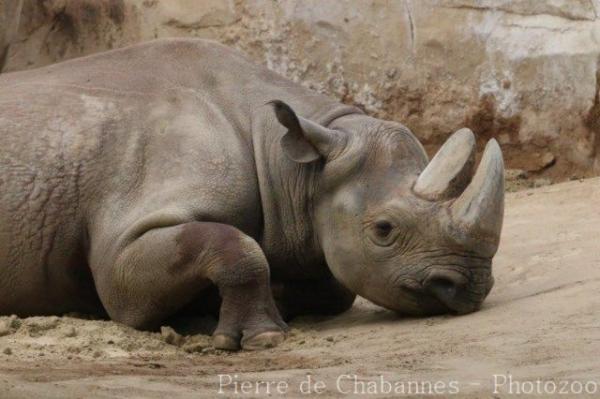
382	233
383	228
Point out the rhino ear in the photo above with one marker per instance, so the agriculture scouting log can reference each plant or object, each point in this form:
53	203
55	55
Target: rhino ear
305	141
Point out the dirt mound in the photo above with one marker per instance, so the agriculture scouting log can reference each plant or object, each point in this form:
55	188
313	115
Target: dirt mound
84	338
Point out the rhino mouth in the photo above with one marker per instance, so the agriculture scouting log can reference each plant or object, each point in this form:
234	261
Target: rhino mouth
421	304
442	294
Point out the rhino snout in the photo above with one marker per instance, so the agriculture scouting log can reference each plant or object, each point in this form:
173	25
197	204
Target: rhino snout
454	291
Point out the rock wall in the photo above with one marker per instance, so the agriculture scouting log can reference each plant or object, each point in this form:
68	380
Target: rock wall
10	11
524	71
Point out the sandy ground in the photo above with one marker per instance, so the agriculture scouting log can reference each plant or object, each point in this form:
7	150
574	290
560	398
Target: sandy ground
541	322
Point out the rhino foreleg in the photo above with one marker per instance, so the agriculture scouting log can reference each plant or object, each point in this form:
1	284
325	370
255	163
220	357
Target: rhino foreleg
166	268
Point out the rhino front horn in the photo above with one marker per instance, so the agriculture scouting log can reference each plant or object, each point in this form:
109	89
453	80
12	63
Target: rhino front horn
450	171
479	211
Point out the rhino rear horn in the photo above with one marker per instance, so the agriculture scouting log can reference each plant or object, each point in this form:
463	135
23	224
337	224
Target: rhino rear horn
479	211
450	171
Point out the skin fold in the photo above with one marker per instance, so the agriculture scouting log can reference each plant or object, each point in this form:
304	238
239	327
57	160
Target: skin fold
136	181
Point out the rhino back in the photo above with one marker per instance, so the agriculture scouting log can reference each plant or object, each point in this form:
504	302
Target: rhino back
92	146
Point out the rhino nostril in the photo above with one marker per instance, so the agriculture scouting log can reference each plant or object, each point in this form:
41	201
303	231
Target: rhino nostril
444	286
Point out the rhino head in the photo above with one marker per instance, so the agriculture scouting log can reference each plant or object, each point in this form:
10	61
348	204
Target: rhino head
413	236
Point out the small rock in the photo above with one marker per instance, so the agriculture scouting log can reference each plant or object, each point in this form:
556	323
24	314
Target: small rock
547	159
541	182
515	174
537	161
14	322
9	325
294	332
194	347
38	326
170	336
5	329
70	332
330	338
7	351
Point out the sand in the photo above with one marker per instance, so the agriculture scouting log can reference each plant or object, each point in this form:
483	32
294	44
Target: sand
541	322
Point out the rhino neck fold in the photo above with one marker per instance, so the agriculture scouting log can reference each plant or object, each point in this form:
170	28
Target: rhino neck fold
288	189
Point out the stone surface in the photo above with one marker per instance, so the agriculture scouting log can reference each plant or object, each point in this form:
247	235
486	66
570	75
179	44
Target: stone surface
523	71
10	11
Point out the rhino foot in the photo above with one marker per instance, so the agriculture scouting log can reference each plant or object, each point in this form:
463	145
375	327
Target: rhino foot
260	341
225	342
248	320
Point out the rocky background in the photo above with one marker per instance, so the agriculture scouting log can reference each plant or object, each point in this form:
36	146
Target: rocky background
524	71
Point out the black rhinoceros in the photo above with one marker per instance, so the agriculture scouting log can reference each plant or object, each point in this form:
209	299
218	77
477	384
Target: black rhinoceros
136	181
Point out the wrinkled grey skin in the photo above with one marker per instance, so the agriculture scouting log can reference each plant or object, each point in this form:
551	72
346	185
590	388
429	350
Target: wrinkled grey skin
135	180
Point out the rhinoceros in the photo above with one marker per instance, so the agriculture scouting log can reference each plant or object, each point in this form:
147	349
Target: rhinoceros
145	181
